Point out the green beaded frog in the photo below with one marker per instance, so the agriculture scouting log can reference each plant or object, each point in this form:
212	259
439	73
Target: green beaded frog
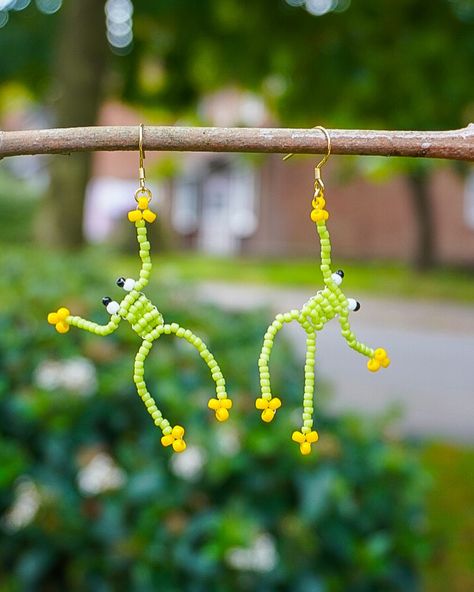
148	324
328	303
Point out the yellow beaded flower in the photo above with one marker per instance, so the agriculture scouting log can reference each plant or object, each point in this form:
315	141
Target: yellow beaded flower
268	407
58	319
142	212
221	407
305	440
175	439
380	360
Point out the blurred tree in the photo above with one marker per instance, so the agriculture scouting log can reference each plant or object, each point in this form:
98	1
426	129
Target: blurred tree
78	72
387	64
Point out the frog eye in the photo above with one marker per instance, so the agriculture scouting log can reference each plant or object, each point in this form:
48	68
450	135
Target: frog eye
127	284
353	304
111	306
337	277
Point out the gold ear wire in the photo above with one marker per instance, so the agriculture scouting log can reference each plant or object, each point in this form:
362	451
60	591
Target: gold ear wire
141	156
318	183
142	190
323	161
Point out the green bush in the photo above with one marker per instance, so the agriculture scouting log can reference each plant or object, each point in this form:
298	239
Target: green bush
18	206
240	510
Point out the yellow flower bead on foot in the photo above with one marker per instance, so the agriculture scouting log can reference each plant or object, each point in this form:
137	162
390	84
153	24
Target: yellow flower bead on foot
380	360
175	439
305	440
373	365
221	407
58	319
268	408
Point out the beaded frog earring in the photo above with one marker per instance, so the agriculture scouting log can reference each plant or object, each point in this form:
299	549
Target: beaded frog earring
321	308
147	322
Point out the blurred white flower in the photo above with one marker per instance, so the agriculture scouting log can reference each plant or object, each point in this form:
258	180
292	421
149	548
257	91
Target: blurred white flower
228	440
261	557
25	506
188	464
100	474
76	375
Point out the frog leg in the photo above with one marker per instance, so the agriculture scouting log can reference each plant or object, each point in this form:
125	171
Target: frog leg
171	436
266	403
221	404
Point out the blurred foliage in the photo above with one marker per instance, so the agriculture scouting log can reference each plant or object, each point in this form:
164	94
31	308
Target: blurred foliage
240	510
18	206
451	510
379	279
401	64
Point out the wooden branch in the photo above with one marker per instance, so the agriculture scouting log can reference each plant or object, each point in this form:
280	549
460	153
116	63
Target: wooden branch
455	144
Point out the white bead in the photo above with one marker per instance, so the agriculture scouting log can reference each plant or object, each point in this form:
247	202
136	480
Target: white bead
129	285
113	307
351	304
336	278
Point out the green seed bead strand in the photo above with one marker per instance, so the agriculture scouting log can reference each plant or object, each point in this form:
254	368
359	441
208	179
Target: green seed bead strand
144	252
351	338
205	354
95	328
325	265
139	379
264	359
308	395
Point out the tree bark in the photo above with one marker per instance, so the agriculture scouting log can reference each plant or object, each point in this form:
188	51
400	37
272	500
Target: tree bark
425	253
452	144
81	52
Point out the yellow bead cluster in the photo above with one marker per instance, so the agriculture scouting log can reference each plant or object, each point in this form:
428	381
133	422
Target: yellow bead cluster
268	407
60	319
379	360
142	212
305	440
175	439
221	407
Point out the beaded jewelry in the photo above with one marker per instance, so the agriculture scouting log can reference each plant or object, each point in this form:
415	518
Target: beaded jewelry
328	303
147	322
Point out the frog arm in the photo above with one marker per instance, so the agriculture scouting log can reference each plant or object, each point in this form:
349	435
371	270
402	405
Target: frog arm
92	327
378	358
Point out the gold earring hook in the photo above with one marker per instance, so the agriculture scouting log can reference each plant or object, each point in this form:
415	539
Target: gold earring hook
142	190
318	182
324	160
142	156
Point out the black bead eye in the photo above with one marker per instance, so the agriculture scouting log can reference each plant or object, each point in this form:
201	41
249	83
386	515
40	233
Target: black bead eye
120	282
340	272
106	300
357	306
